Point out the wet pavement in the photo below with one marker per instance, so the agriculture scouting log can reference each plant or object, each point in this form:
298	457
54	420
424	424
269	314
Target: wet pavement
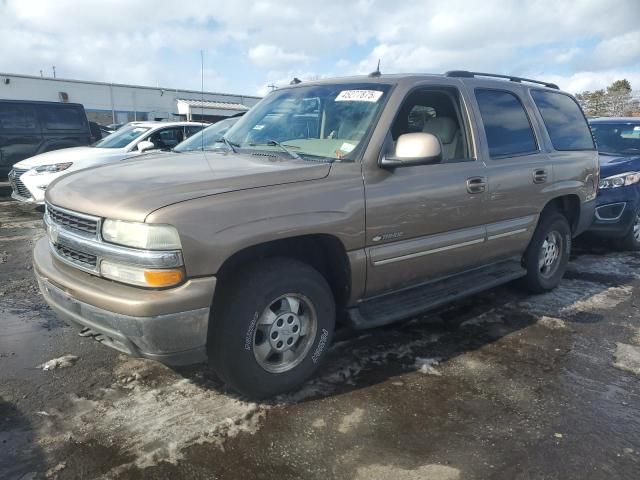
503	385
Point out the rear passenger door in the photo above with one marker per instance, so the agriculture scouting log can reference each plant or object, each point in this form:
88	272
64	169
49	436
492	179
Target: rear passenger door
519	170
63	126
20	134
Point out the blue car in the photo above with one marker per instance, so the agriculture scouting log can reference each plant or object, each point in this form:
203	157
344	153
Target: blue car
618	202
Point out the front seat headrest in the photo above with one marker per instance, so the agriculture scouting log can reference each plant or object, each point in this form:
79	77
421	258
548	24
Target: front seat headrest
442	127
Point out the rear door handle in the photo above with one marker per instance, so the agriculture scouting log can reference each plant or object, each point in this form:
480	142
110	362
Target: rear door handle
540	175
476	184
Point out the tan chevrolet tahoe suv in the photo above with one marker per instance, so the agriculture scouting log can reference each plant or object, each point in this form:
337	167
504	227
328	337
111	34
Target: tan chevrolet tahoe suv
359	201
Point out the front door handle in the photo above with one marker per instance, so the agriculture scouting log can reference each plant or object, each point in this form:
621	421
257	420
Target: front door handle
540	175
476	184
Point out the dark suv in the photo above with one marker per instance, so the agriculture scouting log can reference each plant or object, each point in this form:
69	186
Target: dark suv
28	128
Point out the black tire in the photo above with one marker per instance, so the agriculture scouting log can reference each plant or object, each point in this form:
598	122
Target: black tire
552	225
234	329
631	241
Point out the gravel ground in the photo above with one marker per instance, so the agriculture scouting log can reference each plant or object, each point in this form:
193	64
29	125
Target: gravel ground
500	386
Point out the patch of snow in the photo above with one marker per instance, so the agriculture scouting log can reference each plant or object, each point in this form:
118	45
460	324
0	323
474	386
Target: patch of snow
390	472
426	366
61	362
346	371
615	264
319	423
627	358
575	296
552	323
352	420
488	317
153	414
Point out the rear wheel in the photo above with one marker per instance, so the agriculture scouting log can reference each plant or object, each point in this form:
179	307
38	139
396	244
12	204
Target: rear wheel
548	253
271	327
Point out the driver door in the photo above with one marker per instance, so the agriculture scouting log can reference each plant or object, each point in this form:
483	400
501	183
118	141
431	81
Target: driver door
425	221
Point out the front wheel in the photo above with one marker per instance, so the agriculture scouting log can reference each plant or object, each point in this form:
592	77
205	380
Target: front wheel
271	327
631	241
548	253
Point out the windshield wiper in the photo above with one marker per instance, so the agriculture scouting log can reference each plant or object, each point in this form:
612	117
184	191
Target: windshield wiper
274	143
229	144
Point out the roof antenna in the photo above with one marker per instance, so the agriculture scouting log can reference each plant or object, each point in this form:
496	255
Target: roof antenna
377	73
295	81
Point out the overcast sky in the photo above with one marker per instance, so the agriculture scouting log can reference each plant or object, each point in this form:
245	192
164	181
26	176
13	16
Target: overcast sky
249	45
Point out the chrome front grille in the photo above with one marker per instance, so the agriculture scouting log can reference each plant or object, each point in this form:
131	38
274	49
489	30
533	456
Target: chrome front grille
73	221
84	259
19	188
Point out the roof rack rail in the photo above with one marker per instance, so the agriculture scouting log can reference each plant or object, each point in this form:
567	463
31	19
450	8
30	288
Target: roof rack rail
466	74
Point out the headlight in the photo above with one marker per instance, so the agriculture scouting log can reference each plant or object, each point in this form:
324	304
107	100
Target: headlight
53	168
141	276
621	180
147	236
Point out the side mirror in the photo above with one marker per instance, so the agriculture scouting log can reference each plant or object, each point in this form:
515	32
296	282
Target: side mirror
145	145
414	149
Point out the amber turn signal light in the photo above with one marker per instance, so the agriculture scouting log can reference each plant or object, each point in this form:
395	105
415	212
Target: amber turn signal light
163	278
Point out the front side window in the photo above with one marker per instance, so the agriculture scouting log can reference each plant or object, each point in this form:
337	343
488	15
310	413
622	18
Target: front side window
122	137
327	121
167	138
506	124
617	138
433	111
565	122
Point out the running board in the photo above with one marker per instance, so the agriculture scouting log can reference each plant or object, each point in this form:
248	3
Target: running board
408	302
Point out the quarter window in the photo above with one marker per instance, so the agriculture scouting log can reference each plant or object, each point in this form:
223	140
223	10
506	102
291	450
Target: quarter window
564	120
63	118
506	124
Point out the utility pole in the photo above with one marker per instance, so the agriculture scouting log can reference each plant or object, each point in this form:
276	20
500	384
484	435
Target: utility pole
272	87
54	71
41	75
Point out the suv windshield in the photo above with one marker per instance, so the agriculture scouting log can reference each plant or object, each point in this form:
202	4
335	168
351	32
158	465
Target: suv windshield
122	137
207	139
617	138
328	121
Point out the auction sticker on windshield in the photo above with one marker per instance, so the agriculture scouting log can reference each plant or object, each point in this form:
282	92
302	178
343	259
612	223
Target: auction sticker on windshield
359	96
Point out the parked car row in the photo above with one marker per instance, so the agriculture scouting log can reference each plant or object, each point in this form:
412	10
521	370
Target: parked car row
31	177
359	201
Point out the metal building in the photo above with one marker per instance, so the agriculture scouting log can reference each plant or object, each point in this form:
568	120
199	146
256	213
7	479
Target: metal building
108	103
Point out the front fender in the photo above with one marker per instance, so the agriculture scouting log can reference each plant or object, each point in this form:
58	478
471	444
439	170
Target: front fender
214	228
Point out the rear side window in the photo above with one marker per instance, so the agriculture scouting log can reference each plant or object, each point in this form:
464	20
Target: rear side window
564	120
506	124
63	118
17	117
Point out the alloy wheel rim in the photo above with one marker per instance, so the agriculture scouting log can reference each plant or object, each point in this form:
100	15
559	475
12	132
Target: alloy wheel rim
284	333
550	254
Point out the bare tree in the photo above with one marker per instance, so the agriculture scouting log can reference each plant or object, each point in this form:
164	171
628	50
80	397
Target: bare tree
616	101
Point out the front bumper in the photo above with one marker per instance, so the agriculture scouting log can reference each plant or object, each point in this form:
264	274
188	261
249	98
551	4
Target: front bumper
615	211
32	186
169	326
